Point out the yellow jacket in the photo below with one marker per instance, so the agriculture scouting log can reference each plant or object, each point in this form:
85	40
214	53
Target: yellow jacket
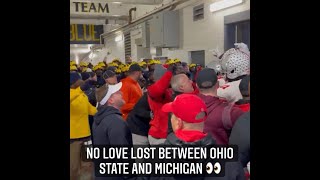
80	109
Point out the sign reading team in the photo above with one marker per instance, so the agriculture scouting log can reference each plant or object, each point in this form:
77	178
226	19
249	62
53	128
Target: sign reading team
89	7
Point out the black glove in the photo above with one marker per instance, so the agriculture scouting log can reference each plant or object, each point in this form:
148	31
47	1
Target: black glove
172	68
180	70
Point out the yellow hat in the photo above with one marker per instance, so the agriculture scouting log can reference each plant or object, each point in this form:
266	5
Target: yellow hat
113	64
192	65
73	68
84	69
142	63
72	63
115	60
120	66
84	64
125	68
118	70
153	61
170	61
96	67
157	62
177	60
101	64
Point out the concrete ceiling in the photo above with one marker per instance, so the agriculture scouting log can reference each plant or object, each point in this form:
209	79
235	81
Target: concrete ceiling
118	11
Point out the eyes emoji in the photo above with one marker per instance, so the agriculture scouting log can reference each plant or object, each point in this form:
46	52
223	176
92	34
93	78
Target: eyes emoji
210	168
217	168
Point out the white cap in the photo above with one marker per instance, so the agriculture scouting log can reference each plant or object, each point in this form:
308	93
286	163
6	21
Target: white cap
88	70
111	89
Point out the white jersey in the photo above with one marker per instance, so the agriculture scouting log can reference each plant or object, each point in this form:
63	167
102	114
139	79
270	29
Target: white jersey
230	91
221	81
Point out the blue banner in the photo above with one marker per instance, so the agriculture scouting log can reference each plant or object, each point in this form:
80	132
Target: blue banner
85	33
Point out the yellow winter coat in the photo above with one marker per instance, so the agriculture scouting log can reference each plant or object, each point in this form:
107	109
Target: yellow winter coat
80	109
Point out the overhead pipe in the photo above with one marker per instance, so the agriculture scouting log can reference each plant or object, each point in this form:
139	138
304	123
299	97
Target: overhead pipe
130	14
141	19
98	16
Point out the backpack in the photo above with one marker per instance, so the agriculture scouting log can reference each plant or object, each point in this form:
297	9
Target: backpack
226	118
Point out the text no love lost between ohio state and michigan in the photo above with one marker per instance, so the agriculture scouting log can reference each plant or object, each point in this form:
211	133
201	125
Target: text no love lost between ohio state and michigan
160	153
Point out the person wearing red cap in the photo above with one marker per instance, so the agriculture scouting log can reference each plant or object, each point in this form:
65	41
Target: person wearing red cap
189	113
181	84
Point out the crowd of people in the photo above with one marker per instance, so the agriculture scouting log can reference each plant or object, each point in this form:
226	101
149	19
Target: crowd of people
174	103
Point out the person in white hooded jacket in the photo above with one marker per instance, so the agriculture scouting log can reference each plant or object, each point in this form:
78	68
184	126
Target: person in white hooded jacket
236	64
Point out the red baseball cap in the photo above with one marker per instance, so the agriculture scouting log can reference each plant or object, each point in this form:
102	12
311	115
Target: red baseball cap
187	107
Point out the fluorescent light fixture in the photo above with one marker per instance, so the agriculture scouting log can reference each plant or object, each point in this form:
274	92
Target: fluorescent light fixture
118	38
79	50
216	6
117	2
153	51
92	55
77	59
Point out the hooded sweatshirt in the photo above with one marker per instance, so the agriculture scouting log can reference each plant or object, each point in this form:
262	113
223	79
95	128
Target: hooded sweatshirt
221	118
158	95
131	94
109	128
80	109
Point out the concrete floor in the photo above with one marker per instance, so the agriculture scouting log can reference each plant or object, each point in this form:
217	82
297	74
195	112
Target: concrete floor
87	171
